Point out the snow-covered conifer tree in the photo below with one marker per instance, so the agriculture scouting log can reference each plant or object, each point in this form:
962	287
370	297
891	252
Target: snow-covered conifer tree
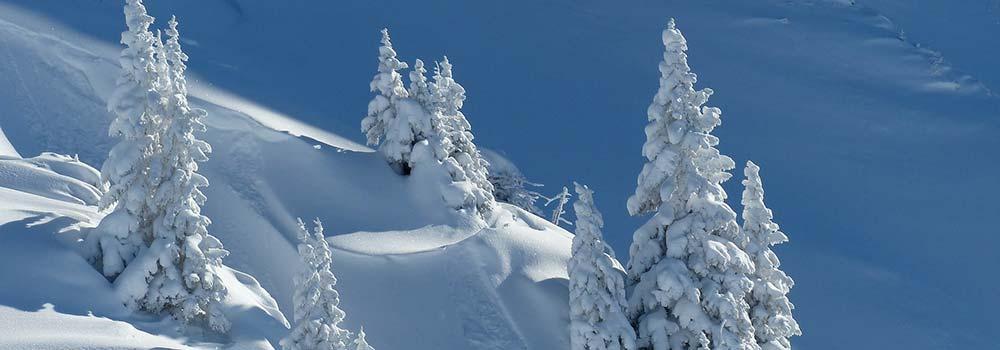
463	160
136	104
382	125
561	200
360	343
596	286
317	311
687	271
178	273
155	243
770	310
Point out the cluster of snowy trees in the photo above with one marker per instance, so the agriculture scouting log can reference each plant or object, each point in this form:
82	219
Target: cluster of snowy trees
155	243
422	129
695	278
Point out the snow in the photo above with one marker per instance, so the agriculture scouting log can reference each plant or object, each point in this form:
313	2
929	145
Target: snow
34	330
57	303
51	176
501	287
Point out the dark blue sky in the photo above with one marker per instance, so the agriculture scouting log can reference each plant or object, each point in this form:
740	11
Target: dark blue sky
878	156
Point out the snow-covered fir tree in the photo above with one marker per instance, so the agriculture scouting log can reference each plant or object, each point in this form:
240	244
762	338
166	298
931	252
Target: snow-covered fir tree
463	161
596	286
360	343
687	272
136	104
317	304
770	309
178	274
383	125
561	200
155	243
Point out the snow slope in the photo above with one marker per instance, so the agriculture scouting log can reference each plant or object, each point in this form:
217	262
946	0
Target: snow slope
52	298
416	275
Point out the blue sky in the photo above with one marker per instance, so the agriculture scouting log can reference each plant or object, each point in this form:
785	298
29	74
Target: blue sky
878	154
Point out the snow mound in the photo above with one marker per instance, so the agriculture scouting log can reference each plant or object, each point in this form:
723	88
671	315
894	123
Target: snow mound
52	176
34	330
504	287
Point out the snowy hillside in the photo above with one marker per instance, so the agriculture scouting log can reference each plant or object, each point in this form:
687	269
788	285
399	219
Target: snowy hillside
407	268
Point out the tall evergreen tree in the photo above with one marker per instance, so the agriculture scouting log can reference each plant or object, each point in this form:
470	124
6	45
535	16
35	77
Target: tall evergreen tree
136	104
317	303
155	244
770	309
464	161
596	287
184	278
380	125
687	271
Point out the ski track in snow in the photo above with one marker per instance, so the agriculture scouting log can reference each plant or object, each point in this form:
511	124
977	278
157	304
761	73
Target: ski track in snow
485	322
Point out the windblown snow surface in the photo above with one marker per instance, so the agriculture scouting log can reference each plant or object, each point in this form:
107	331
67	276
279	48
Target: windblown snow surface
879	157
